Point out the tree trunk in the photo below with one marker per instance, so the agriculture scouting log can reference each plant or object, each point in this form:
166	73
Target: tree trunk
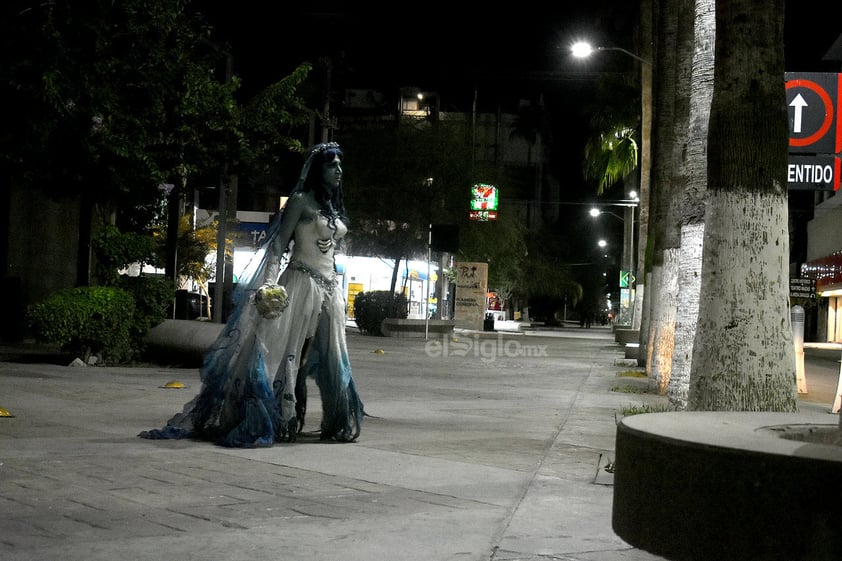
693	204
662	327
663	225
689	282
646	110
743	356
392	287
171	245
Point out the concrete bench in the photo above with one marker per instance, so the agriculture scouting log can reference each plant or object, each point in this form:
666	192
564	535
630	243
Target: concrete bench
181	341
623	335
394	327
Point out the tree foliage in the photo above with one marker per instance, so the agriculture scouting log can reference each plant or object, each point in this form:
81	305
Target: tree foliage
115	250
115	98
402	179
611	153
86	321
126	106
194	244
390	168
420	173
610	157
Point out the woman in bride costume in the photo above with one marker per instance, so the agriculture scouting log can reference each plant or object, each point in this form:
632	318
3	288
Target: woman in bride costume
283	330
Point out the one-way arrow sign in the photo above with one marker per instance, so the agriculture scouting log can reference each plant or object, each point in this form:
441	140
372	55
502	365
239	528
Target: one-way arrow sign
813	99
799	104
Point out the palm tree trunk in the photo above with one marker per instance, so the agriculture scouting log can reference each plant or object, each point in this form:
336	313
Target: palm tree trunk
393	285
665	186
693	204
674	201
743	356
646	111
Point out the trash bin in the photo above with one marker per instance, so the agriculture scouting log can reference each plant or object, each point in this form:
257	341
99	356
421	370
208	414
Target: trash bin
488	322
189	305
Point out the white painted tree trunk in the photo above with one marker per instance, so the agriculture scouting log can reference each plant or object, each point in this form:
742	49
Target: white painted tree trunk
743	357
639	295
674	48
646	312
693	211
646	339
662	326
689	282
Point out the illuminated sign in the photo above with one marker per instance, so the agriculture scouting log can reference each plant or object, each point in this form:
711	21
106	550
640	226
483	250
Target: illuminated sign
813	102
815	130
483	215
484	197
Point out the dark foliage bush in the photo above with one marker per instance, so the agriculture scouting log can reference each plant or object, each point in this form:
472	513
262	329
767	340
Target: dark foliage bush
371	308
87	321
153	298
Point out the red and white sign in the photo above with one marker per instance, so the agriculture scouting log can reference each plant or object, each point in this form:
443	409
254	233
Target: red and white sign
815	130
813	104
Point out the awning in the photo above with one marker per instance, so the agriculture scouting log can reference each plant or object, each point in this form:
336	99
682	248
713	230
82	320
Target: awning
415	274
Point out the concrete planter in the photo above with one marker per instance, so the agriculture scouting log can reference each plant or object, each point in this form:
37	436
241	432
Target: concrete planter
623	335
182	341
725	485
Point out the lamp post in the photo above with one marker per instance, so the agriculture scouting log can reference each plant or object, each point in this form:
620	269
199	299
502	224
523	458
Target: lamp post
429	183
226	182
583	49
627	279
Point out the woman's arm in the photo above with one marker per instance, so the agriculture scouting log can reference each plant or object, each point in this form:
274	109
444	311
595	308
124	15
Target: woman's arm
293	212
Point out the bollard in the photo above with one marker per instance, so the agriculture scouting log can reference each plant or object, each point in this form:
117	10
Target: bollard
797	318
837	402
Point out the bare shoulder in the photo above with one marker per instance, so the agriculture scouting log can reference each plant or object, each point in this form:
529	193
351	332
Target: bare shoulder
300	198
298	204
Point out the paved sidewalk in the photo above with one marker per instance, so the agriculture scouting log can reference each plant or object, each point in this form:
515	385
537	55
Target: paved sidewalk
490	447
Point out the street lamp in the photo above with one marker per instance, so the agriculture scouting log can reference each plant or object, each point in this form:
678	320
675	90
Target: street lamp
429	183
596	212
627	261
583	49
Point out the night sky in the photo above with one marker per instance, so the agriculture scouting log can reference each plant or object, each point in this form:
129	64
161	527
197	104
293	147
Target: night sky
453	53
449	53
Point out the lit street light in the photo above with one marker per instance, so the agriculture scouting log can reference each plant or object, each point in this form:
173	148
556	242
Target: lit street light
596	212
583	49
626	281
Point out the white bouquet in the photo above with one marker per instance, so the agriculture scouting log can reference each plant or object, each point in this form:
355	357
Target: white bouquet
271	300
